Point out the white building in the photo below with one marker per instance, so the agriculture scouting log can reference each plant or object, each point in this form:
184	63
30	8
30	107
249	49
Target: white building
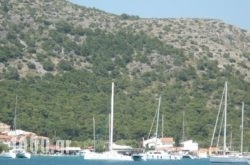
189	145
165	143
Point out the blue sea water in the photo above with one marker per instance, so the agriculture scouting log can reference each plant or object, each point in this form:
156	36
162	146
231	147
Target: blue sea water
43	160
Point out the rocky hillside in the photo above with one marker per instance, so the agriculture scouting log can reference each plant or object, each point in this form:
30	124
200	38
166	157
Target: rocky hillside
29	30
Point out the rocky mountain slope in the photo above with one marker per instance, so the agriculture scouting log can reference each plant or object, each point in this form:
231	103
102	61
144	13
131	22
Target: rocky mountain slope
27	25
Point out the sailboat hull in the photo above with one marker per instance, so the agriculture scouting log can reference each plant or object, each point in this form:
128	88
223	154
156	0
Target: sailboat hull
109	155
8	155
228	159
22	154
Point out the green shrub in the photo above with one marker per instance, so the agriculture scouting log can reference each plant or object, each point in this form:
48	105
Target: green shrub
48	65
3	147
65	65
31	65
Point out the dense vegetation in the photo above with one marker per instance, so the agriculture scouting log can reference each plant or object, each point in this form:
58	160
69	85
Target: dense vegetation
80	64
64	105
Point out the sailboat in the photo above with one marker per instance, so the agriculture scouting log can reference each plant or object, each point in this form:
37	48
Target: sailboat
9	154
20	152
16	152
110	154
226	156
155	142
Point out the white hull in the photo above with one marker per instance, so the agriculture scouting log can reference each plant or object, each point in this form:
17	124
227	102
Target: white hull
188	156
139	157
109	155
23	154
9	154
160	155
16	153
228	159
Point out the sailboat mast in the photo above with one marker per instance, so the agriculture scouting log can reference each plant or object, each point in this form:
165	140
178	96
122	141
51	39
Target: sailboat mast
162	125
225	121
111	118
217	119
14	127
242	124
94	131
157	119
183	126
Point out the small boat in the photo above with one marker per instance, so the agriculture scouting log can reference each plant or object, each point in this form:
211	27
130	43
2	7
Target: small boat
139	157
189	156
155	154
21	153
16	153
10	154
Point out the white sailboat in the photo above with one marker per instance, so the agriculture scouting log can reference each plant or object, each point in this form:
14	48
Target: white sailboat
111	154
158	153
226	156
20	152
16	151
9	154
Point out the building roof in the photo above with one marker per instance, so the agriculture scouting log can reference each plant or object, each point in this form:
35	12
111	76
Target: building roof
120	147
203	150
167	140
5	137
20	132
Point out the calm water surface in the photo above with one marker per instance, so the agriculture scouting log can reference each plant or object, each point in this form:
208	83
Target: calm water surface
42	160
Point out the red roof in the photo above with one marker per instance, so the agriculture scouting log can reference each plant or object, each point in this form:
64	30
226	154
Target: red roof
5	137
167	140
